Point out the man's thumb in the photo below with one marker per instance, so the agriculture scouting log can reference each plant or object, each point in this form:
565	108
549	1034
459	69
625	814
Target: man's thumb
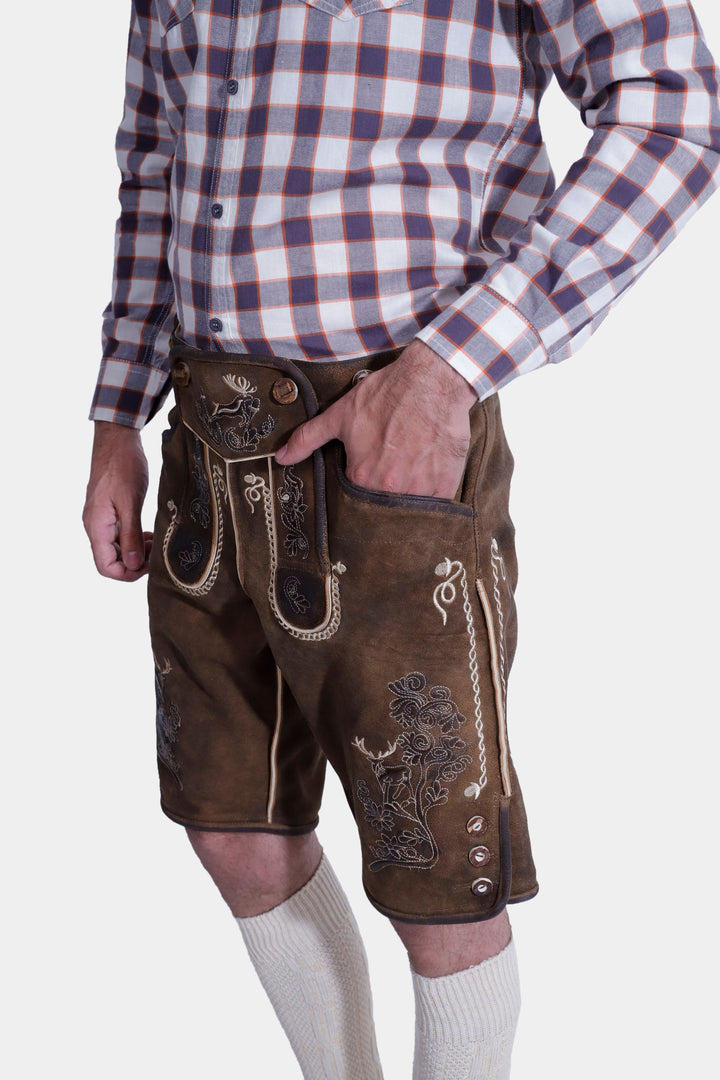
130	538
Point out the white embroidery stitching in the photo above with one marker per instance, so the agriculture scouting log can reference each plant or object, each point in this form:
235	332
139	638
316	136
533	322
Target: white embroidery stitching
498	571
205	585
254	490
445	594
334	614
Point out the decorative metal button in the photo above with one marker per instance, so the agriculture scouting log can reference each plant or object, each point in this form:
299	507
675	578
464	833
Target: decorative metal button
477	825
360	375
479	855
284	391
181	374
481	886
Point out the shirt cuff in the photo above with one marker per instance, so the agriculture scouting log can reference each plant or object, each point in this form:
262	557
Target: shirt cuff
486	339
127	393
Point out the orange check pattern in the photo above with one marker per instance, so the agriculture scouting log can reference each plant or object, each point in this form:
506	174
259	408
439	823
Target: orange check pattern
319	179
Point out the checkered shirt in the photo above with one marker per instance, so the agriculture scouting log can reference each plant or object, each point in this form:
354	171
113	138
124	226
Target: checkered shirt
319	179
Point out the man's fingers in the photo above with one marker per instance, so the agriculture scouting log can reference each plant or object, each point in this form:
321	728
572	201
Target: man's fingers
309	437
105	531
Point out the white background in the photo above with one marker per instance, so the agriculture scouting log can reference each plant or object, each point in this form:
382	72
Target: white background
120	959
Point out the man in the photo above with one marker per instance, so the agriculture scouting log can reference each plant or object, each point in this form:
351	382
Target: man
340	237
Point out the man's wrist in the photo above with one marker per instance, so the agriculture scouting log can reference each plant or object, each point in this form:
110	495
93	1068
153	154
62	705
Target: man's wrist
106	429
443	374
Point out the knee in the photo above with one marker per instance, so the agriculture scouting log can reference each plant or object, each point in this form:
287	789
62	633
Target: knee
256	871
446	948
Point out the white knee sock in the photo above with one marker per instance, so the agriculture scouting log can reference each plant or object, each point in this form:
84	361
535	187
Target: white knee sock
465	1023
311	961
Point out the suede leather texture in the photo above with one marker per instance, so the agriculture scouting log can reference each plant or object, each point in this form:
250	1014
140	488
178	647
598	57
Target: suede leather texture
298	619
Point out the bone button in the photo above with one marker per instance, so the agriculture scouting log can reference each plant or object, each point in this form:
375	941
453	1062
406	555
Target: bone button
181	374
360	375
479	856
481	886
477	825
284	391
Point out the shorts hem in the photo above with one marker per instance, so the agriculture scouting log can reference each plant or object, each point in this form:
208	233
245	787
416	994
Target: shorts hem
240	826
522	897
438	920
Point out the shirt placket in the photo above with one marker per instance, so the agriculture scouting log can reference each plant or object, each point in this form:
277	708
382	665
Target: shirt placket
224	204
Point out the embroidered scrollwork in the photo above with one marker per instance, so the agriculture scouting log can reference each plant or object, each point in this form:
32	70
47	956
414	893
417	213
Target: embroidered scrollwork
167	720
294	595
431	757
292	514
256	490
444	597
205	511
200	506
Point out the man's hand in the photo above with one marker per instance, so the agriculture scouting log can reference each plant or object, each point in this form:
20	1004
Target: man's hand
405	428
115	494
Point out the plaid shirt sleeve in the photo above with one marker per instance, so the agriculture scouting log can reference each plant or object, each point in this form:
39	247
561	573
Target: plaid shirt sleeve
645	84
136	324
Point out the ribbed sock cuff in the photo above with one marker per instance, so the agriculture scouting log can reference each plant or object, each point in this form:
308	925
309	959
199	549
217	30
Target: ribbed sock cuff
484	999
320	906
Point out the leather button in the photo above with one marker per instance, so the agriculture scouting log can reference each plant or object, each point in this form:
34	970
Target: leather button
477	825
284	391
479	856
481	886
359	375
181	374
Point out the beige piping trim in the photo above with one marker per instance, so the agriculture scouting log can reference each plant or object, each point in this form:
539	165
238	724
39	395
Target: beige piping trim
272	791
497	682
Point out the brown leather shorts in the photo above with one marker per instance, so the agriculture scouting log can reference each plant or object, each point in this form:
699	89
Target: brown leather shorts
297	618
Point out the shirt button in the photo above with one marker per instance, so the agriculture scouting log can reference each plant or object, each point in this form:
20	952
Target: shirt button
216	210
215	325
232	86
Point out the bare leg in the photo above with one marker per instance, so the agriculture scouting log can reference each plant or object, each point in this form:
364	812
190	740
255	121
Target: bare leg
256	871
304	944
467	998
447	948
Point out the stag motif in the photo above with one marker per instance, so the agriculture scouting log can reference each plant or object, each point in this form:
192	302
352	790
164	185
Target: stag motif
231	424
432	756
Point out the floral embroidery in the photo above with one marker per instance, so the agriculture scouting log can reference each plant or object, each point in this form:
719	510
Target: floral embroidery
200	506
240	435
292	514
167	724
191	557
295	597
432	756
